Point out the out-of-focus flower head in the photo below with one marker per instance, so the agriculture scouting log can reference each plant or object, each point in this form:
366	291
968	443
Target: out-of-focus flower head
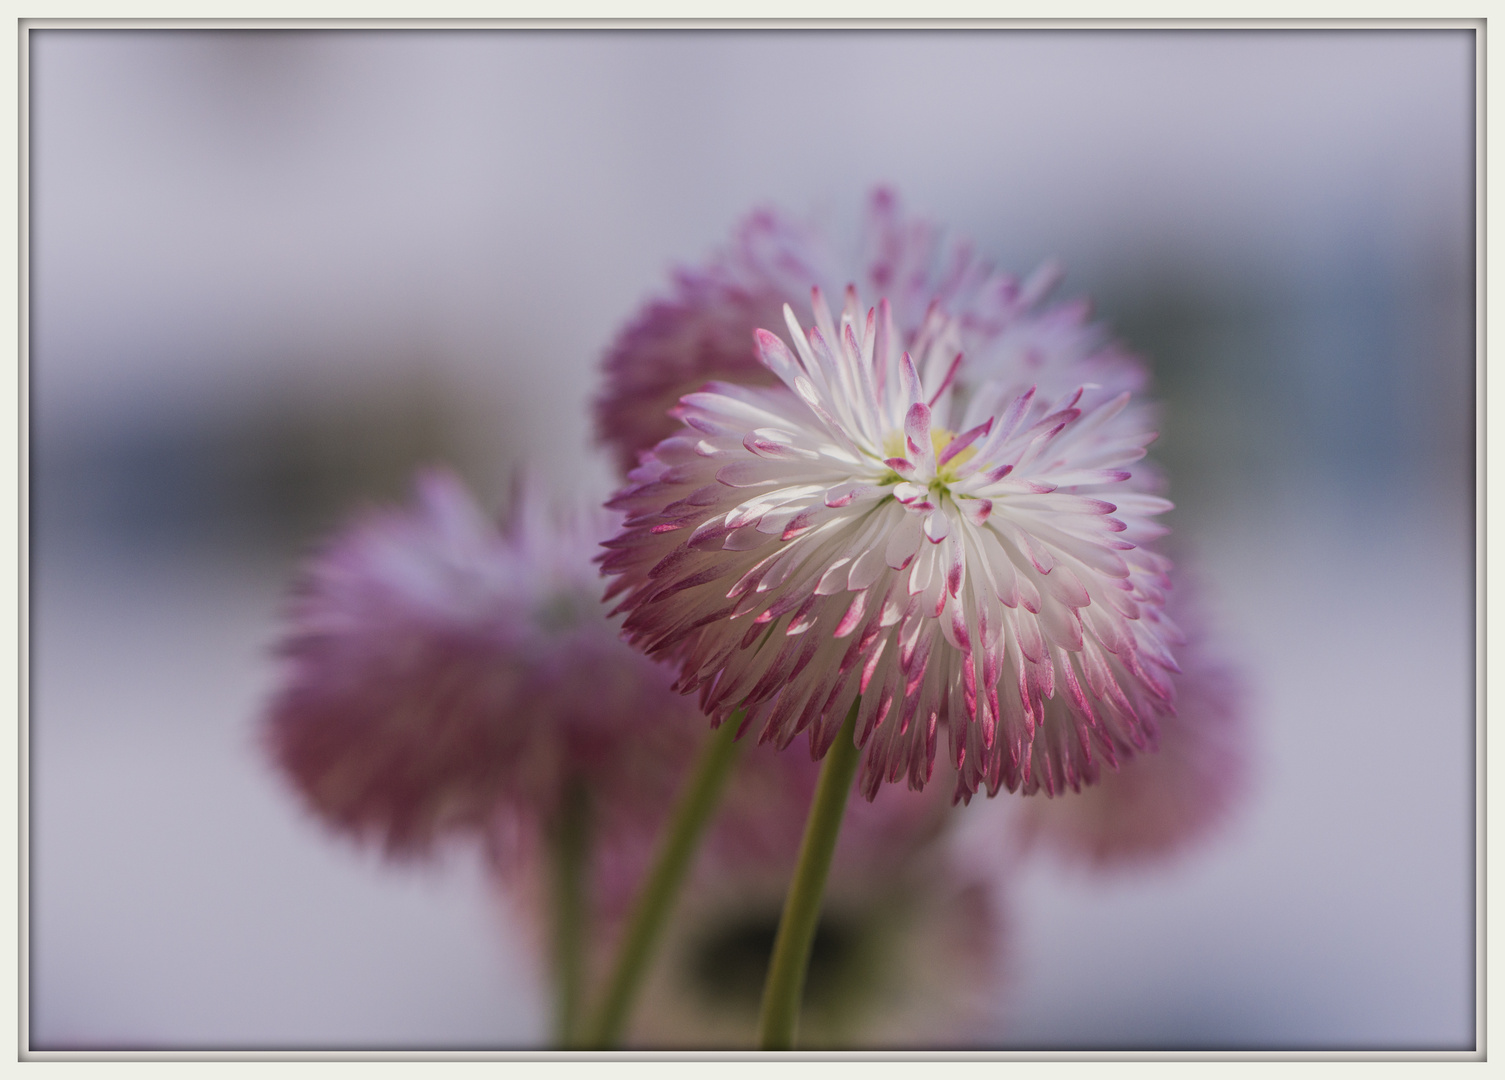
675	346
704	331
439	672
890	524
1157	806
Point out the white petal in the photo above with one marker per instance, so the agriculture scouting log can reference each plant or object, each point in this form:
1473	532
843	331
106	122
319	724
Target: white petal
903	542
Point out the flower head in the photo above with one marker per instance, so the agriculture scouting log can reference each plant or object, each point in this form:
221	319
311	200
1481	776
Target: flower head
944	547
704	331
439	671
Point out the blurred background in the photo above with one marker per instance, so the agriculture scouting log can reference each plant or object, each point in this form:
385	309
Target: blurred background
272	272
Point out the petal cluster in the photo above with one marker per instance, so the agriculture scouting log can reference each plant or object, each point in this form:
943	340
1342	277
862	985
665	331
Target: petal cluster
704	330
884	524
438	671
1159	805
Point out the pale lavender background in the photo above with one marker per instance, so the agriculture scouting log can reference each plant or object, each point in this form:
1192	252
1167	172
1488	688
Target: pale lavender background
253	253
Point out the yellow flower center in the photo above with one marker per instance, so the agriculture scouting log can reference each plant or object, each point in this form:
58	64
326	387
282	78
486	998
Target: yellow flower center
940	438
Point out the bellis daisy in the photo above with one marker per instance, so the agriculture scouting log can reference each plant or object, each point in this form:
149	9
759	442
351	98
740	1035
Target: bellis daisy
957	553
704	330
439	672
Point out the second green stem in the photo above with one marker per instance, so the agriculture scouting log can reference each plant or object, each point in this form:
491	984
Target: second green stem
571	851
785	988
661	888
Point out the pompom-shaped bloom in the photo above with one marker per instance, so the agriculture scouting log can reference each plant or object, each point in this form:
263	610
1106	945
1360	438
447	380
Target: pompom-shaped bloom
439	672
954	558
1155	806
704	332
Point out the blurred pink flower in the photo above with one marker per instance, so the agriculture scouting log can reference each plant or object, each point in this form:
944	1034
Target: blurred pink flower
439	673
674	347
880	525
704	332
1158	805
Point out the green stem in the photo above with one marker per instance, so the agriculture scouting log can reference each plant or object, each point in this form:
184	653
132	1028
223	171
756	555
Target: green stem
785	987
570	842
662	886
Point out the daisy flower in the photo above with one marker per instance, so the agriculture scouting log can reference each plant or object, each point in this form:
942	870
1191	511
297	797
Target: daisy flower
952	551
704	330
439	671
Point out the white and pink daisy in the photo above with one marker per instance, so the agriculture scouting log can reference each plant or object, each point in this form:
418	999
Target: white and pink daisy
441	674
957	552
